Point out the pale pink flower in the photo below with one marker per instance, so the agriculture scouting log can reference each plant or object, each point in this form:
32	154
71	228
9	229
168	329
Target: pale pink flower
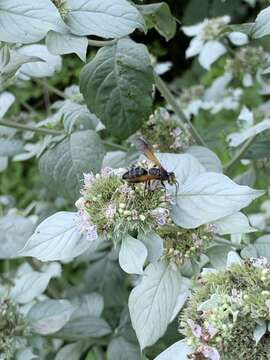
195	328
84	225
88	179
107	171
176	132
210	352
160	215
212	330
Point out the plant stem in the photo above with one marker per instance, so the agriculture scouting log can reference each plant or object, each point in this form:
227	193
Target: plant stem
24	127
165	91
99	43
99	353
239	154
115	146
51	88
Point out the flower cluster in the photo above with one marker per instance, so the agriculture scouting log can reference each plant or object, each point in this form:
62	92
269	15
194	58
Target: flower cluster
13	326
163	131
110	207
226	316
185	244
246	63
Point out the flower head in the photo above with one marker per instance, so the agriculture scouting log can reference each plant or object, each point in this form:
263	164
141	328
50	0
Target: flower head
224	311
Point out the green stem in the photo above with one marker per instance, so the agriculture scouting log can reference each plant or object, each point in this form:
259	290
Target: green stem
51	88
15	125
239	154
115	146
99	353
165	91
99	43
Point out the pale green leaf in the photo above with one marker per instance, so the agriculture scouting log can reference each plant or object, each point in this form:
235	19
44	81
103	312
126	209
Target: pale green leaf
177	351
132	255
107	18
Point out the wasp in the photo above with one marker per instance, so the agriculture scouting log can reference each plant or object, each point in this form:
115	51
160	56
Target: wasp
140	175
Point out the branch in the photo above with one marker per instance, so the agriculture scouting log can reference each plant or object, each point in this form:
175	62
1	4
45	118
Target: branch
165	91
51	88
15	125
239	154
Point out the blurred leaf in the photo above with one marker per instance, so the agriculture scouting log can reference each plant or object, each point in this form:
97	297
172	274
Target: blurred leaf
71	351
159	16
47	317
117	86
62	166
15	230
88	305
121	349
29	286
84	328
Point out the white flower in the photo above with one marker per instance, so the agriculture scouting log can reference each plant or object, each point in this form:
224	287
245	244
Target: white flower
204	42
107	171
88	179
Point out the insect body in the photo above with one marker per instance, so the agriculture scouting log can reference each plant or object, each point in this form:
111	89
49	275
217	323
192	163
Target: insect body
139	174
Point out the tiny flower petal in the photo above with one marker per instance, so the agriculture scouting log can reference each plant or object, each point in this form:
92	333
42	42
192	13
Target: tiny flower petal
196	329
210	352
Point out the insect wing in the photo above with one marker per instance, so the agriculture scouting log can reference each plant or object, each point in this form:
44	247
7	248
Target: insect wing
146	149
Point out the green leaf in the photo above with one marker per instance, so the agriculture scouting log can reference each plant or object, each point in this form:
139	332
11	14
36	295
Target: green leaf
61	44
71	351
25	354
47	317
218	255
84	328
117	86
159	16
47	66
106	277
206	157
132	255
154	245
56	238
208	197
177	351
262	246
6	100
259	150
237	223
30	21
10	147
262	24
152	302
107	18
15	230
29	286
121	349
259	332
88	305
3	163
62	166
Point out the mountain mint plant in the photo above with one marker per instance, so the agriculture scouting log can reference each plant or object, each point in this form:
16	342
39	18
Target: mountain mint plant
175	265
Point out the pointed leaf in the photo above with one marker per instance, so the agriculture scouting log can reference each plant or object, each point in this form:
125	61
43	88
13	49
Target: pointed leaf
117	86
152	302
132	255
177	351
106	18
56	238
